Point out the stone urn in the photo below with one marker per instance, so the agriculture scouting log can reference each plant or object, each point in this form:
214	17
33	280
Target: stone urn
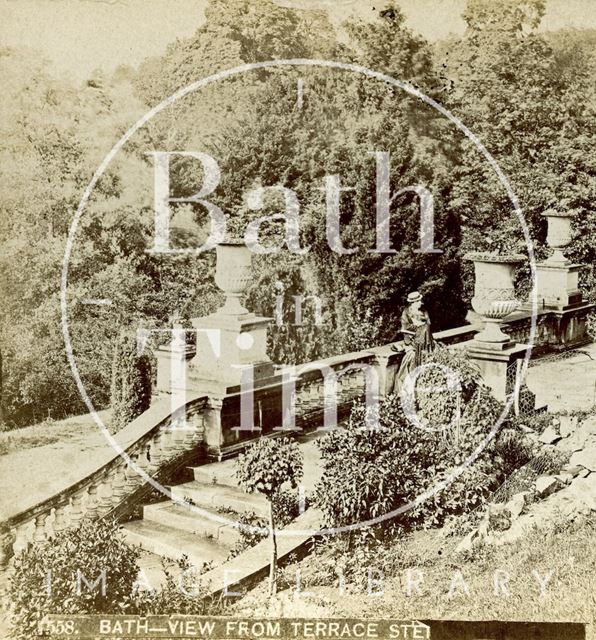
233	274
494	293
559	234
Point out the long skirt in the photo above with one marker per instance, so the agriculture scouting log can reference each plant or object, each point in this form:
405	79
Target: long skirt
422	343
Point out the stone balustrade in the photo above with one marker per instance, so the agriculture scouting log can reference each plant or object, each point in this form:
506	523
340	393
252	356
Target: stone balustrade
316	394
328	387
152	442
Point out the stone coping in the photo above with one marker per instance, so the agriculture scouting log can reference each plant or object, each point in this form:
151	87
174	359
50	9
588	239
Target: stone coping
566	265
552	213
487	256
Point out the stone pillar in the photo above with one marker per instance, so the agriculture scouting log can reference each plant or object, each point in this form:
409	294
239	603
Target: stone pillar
75	513
386	363
557	278
231	346
119	486
40	533
60	520
23	537
498	368
91	504
212	434
172	363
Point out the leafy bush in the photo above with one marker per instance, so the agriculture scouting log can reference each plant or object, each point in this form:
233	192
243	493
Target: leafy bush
50	577
131	383
181	594
265	467
441	401
591	324
369	473
285	508
248	537
514	449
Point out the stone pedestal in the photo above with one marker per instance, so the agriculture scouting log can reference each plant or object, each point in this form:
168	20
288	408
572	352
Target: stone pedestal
172	366
557	284
212	429
498	367
227	345
557	278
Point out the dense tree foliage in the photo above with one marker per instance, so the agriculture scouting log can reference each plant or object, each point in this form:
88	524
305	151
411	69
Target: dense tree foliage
525	94
531	105
131	383
54	136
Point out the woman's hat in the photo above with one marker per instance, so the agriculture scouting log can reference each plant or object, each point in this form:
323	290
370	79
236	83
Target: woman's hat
414	297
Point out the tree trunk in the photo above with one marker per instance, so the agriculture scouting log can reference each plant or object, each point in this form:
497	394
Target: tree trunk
273	566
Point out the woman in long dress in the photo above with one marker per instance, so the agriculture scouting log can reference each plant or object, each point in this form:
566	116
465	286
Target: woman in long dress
417	338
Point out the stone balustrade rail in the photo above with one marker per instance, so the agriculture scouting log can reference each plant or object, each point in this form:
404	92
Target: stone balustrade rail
101	485
97	486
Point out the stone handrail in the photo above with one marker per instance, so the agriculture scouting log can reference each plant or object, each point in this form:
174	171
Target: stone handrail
99	486
311	401
309	377
383	358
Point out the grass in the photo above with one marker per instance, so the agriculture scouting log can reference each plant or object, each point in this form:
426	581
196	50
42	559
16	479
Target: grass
46	433
567	549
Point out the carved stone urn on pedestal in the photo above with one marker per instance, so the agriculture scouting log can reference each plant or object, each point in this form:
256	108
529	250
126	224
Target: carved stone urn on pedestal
557	278
494	294
232	339
559	234
233	275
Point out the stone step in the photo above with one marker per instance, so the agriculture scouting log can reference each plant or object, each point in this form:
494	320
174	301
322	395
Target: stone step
214	496
173	543
180	517
221	473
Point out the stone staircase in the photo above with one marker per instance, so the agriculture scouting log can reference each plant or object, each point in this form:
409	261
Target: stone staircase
172	529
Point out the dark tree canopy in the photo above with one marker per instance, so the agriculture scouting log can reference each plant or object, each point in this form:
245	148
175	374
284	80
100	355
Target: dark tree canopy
526	94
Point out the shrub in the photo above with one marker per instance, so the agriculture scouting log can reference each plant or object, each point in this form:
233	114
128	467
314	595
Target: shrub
368	473
285	508
265	467
182	592
131	383
440	406
248	537
50	577
514	449
591	325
